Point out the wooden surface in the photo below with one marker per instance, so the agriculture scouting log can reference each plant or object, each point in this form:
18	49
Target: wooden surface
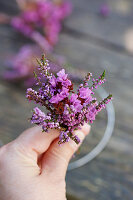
92	43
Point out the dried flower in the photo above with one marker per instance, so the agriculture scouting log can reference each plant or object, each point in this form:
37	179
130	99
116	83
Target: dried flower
67	110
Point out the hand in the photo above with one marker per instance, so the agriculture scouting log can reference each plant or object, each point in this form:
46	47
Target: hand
33	167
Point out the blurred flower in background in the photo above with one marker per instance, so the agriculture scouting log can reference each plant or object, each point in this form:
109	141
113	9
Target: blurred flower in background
40	21
21	66
104	10
42	16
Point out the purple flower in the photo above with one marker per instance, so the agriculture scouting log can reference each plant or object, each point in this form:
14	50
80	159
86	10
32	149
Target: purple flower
53	81
67	110
76	102
38	116
59	97
73	98
84	93
45	127
61	75
105	10
64	137
66	83
64	93
45	15
91	113
55	99
62	78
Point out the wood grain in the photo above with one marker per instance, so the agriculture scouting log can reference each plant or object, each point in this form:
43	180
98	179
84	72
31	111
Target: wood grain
113	31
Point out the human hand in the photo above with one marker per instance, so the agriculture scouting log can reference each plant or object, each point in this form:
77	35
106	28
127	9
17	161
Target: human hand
33	167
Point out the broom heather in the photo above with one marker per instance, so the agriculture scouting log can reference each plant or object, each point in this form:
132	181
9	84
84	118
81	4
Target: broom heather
67	110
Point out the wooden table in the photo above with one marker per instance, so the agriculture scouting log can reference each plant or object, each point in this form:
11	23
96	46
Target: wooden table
92	43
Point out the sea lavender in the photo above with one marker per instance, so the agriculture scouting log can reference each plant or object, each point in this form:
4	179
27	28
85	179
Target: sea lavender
67	110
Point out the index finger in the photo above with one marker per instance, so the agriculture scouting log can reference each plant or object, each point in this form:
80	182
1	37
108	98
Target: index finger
34	139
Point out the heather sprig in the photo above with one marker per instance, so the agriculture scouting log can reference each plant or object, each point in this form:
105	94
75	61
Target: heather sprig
101	79
67	110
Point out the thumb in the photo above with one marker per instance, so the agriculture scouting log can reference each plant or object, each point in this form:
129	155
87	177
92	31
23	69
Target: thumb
57	157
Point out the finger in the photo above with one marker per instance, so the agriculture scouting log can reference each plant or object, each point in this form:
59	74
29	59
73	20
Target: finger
24	152
34	140
56	159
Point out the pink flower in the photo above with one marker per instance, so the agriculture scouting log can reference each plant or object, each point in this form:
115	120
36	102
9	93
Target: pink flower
61	75
60	96
53	81
67	110
84	93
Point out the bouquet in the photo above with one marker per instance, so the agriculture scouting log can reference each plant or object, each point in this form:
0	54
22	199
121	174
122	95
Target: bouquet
67	110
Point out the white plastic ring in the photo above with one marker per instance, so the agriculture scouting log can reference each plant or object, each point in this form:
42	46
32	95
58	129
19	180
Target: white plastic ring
105	139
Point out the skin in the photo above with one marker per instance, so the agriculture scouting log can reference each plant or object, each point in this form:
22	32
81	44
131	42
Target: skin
33	166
